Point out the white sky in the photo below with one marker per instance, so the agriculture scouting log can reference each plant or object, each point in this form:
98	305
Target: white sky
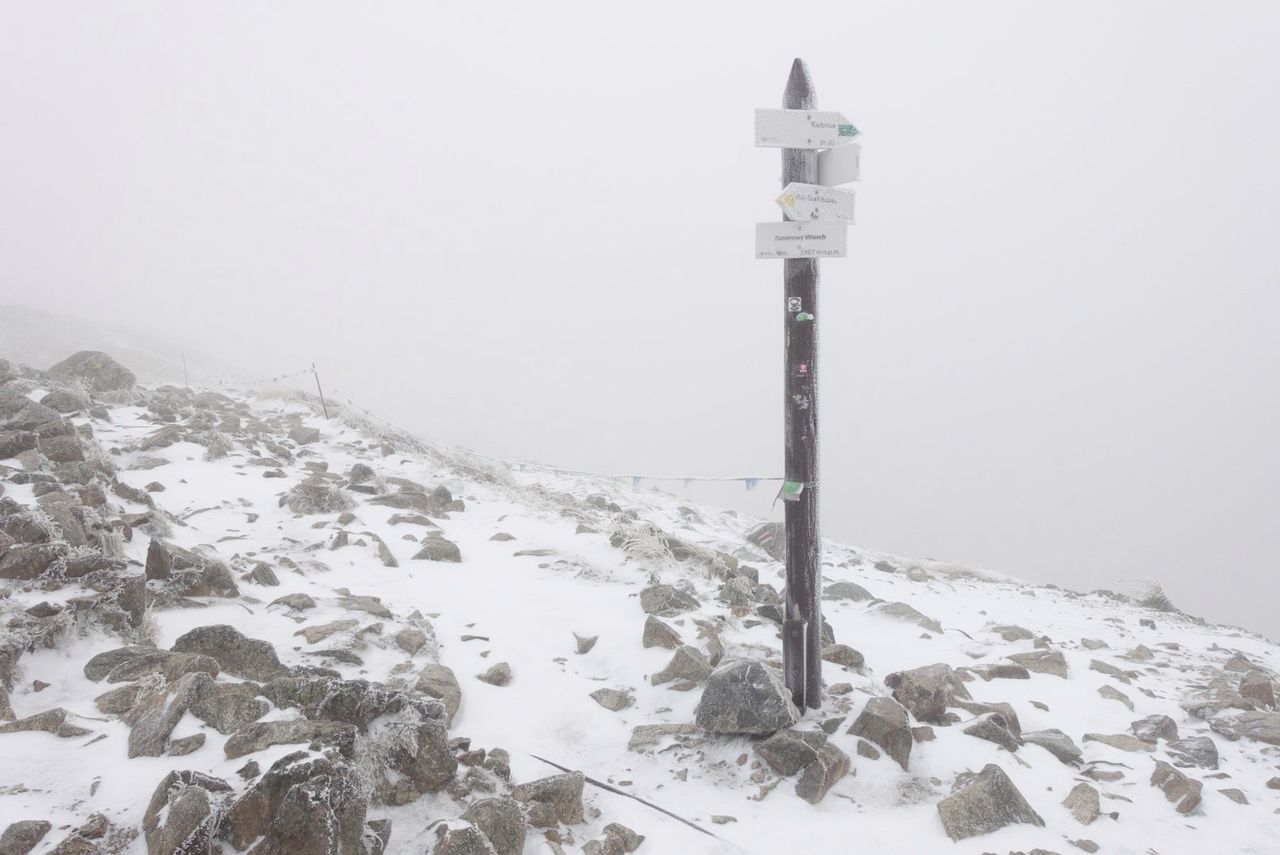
527	228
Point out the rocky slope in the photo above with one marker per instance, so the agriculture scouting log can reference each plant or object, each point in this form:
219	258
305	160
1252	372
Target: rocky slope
229	624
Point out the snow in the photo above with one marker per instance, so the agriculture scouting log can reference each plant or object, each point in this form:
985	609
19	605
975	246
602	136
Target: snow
528	607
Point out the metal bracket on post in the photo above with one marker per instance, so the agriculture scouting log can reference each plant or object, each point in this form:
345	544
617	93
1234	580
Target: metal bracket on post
793	659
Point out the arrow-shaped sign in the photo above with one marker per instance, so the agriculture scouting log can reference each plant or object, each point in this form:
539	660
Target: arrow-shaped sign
839	165
815	202
801	240
802	129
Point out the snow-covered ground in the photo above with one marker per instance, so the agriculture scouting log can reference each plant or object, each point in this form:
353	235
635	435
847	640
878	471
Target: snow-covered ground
524	609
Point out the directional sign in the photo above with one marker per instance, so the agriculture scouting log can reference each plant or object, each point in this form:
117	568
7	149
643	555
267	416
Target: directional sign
815	202
838	165
802	129
801	240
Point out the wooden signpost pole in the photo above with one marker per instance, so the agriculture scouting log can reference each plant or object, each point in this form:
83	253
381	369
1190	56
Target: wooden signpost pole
802	646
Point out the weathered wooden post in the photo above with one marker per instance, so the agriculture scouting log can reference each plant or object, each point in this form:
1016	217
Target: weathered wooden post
323	405
814	225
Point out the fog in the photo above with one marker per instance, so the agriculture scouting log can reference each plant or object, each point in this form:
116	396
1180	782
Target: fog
527	228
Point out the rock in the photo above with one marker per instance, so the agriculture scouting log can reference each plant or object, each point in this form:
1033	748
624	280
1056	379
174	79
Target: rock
1259	688
155	716
1056	743
301	806
181	816
1257	726
843	654
1155	727
612	699
999	671
1198	751
666	601
1113	694
304	435
20	413
61	449
227	707
95	371
1042	662
557	798
687	663
262	574
263	734
585	643
296	602
496	675
658	634
502	821
1119	741
1006	712
1221	694
1235	795
410	640
438	681
1011	633
185	745
23	836
993	728
357	702
239	655
789	751
822	774
1181	791
50	721
884	722
417	757
1273	784
866	749
989	802
648	735
846	591
1093	644
771	537
1083	803
745	697
927	692
319	632
436	548
28	561
14	442
628	839
906	613
461	838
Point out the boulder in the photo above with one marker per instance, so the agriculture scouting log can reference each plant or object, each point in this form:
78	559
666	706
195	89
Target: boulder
181	818
745	697
687	663
263	734
843	654
908	614
552	800
659	634
993	728
154	717
927	692
789	751
95	371
666	601
770	537
61	449
846	591
1083	802
613	700
502	821
227	707
1197	751
27	561
439	681
498	674
1056	743
239	655
23	836
304	435
822	774
461	838
987	803
1258	687
416	755
436	548
1155	727
1042	662
129	664
884	721
1181	791
1258	726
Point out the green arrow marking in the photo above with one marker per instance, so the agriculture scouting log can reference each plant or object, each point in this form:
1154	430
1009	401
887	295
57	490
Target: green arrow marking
847	131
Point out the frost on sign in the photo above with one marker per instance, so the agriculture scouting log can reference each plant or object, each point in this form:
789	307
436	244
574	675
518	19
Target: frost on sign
802	129
801	240
815	202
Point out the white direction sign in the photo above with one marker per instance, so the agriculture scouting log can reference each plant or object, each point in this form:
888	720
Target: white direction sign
801	240
802	129
839	165
815	202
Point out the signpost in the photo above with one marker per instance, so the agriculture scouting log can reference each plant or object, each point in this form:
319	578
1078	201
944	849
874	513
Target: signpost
815	225
815	202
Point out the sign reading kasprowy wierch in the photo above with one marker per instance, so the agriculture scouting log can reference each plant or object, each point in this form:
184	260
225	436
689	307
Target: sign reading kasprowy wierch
802	129
801	240
815	202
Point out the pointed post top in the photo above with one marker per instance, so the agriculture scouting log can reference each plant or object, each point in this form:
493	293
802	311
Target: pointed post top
799	94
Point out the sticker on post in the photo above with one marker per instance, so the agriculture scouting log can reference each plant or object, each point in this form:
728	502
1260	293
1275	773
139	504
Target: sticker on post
813	239
791	491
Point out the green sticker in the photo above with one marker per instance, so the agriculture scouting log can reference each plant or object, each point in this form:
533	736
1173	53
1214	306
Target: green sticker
847	131
804	316
792	489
